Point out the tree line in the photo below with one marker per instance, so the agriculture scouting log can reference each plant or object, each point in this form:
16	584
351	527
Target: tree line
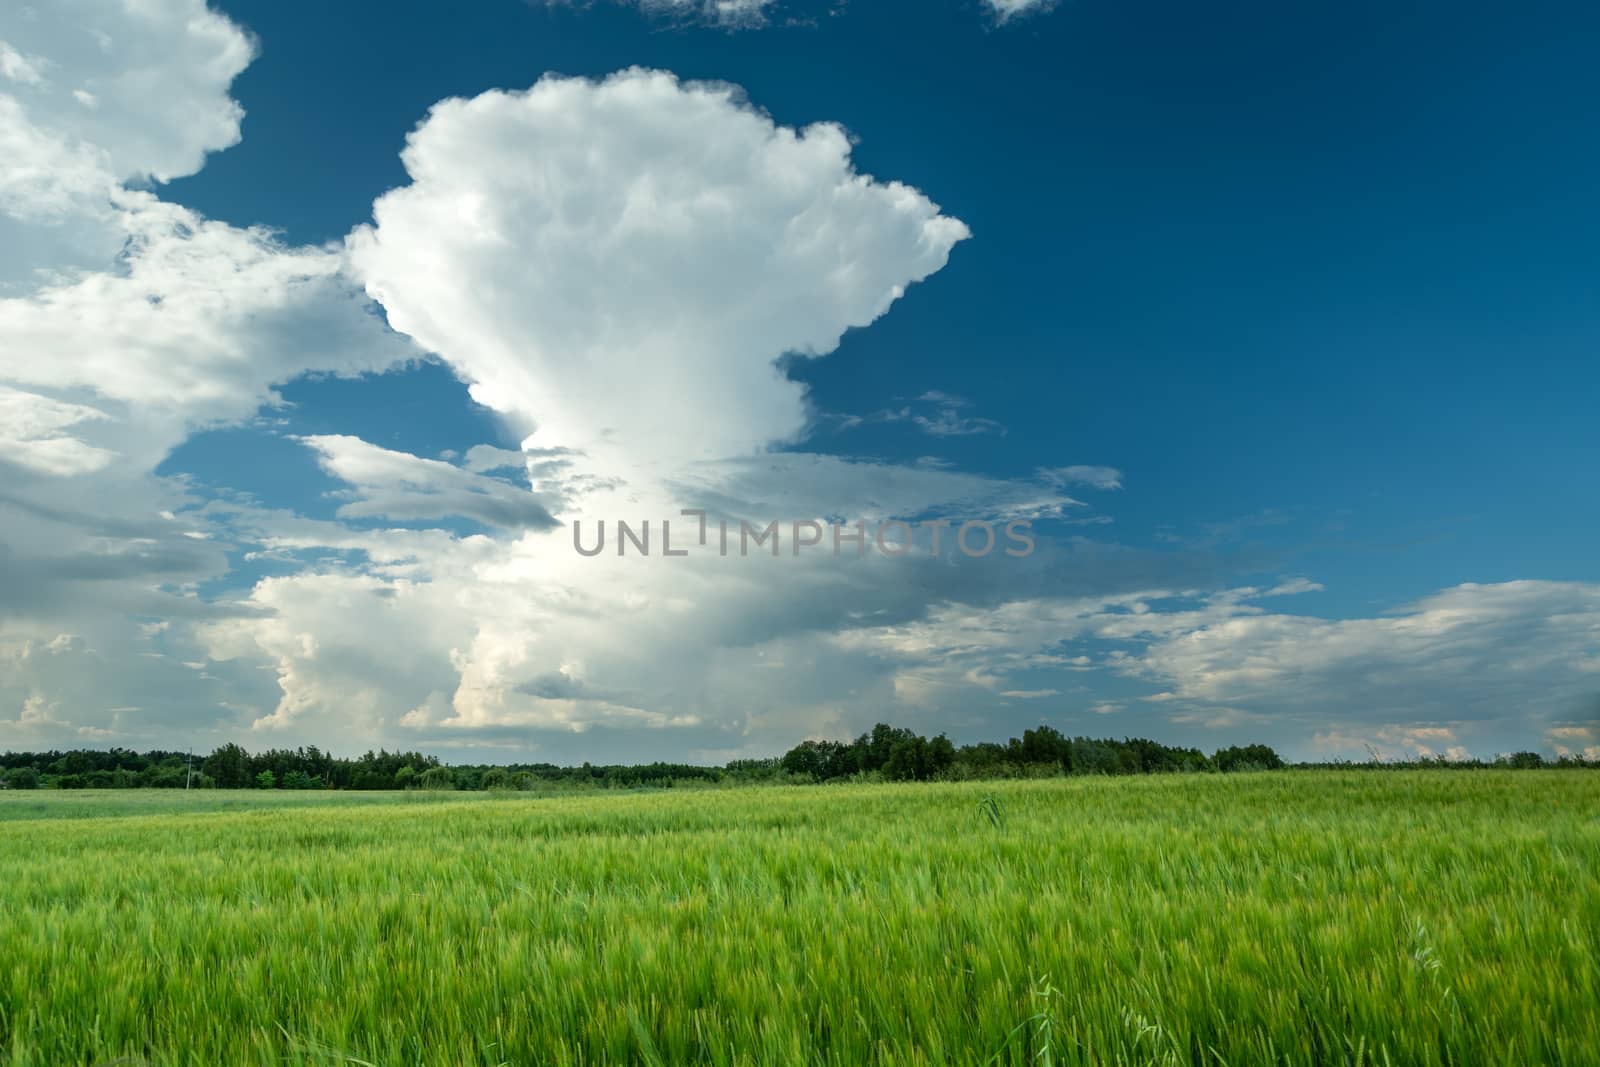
899	754
884	753
232	767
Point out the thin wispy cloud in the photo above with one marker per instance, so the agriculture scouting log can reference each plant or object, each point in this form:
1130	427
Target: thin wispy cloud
1091	477
934	413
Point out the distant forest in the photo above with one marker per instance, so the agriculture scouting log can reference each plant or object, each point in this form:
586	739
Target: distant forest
884	753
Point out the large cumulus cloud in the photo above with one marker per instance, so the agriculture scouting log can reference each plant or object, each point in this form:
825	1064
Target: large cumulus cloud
618	264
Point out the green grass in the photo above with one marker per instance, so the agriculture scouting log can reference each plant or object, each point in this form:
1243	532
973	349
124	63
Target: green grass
1328	917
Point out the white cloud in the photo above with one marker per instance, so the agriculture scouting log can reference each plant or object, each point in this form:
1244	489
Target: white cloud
1394	741
103	375
32	434
16	67
1475	668
703	645
1093	477
481	459
193	328
94	95
126	324
1575	741
1294	587
1009	9
732	14
158	321
397	485
665	242
801	485
934	413
750	14
949	418
346	648
1473	651
158	72
726	14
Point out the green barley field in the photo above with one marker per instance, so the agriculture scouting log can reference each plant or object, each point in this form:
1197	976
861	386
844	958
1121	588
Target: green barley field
1302	918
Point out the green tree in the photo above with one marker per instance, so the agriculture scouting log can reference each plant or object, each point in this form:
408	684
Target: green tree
1247	758
874	749
22	778
496	778
229	766
266	780
908	760
405	777
438	778
1044	744
806	758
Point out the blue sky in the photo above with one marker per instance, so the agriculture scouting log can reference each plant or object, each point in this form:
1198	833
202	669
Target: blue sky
1276	322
